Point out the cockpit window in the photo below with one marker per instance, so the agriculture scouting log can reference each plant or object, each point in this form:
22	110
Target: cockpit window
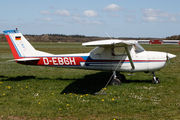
138	48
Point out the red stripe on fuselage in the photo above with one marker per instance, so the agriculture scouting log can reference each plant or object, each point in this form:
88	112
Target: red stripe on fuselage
14	52
125	61
75	61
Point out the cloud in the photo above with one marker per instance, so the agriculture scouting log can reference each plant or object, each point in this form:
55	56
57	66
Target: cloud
90	13
44	19
172	20
51	7
132	11
86	21
62	13
112	8
114	15
57	25
156	13
151	19
77	19
130	18
152	15
45	12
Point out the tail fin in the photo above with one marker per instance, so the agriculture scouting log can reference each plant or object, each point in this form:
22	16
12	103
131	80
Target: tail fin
20	47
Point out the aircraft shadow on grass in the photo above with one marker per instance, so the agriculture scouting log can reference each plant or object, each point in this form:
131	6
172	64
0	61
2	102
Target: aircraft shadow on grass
18	78
2	76
90	84
93	83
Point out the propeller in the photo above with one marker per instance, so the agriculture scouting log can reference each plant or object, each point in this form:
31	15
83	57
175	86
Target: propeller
169	56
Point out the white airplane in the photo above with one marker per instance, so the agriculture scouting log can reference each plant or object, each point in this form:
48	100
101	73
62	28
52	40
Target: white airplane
109	55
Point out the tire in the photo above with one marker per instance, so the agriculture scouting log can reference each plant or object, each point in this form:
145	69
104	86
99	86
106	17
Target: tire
115	82
157	81
122	77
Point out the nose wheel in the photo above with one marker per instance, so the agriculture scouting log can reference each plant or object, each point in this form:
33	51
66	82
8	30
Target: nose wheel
155	79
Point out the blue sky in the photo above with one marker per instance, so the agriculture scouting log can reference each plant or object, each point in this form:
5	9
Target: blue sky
119	18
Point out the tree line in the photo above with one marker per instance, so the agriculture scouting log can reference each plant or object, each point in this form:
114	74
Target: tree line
78	38
174	37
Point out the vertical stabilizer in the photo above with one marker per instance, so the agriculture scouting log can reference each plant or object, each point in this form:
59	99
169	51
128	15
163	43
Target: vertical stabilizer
20	47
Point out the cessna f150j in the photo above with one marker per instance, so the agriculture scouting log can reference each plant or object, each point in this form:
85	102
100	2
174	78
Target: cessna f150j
109	55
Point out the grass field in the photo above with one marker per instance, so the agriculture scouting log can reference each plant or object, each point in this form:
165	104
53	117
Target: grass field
31	92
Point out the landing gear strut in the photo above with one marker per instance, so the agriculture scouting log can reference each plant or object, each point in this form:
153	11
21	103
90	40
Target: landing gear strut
155	79
117	79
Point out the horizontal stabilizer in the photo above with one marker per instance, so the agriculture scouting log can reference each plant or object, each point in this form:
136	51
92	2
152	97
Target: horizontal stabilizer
25	59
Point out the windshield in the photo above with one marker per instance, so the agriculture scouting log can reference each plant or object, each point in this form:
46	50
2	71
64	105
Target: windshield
138	48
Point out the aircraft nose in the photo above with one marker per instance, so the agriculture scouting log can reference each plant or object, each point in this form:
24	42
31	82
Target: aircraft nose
170	56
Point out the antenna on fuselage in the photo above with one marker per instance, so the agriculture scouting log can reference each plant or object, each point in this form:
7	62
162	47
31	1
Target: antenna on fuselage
108	35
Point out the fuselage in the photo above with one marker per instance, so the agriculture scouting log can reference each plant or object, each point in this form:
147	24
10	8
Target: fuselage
145	61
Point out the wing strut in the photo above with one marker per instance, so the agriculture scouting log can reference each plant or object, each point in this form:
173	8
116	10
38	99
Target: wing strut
129	56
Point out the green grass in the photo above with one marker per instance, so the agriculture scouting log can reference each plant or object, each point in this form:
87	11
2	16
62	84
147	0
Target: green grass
34	92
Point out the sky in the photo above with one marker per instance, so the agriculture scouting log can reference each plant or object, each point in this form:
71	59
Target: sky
103	18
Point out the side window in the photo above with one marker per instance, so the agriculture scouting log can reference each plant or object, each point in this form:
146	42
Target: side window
118	51
97	51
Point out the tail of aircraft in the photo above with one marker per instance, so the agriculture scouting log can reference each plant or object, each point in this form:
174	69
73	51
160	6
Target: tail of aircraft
20	47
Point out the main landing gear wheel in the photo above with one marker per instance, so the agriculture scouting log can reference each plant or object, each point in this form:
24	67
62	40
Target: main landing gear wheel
121	77
115	81
155	80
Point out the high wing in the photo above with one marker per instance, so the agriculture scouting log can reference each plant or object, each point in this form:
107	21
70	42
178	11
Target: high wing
110	42
114	43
